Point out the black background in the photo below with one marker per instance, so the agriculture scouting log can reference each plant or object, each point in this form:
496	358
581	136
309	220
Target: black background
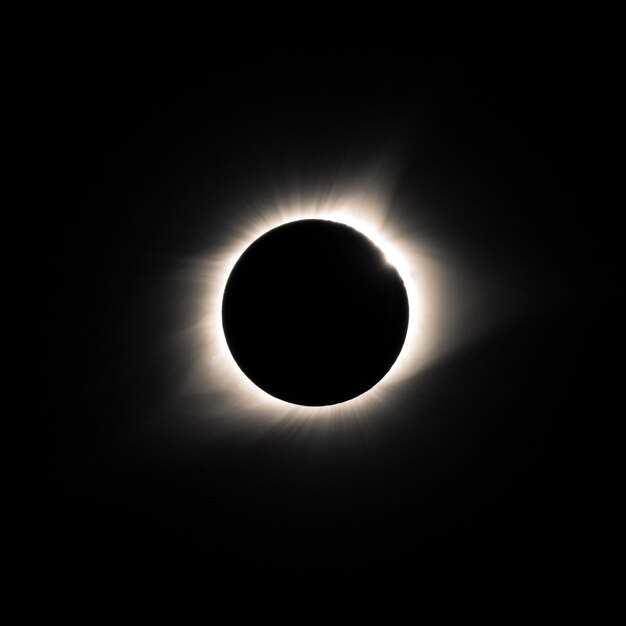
491	487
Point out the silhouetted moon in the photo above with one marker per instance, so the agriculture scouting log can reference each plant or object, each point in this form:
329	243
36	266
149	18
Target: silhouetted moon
313	314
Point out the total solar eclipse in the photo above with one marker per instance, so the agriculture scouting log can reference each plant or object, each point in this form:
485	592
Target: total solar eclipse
313	313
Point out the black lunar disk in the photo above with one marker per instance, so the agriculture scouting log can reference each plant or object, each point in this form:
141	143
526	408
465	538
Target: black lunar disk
313	314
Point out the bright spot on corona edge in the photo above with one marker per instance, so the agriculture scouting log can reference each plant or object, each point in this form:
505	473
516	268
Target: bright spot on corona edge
216	376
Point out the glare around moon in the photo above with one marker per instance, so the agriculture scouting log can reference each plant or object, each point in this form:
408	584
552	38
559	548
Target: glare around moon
216	374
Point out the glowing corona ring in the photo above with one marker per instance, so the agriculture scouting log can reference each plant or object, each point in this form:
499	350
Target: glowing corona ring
218	375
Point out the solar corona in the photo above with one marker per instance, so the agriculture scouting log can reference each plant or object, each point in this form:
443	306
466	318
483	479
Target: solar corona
323	264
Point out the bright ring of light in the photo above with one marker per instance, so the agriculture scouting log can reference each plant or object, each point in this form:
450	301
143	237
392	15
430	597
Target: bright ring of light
232	391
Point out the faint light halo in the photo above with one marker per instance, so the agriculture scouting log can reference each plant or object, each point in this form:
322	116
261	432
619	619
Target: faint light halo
218	373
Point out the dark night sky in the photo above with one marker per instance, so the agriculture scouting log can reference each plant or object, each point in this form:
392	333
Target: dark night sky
490	489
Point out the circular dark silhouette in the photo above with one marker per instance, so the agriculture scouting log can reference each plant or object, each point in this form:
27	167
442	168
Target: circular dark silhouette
313	314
